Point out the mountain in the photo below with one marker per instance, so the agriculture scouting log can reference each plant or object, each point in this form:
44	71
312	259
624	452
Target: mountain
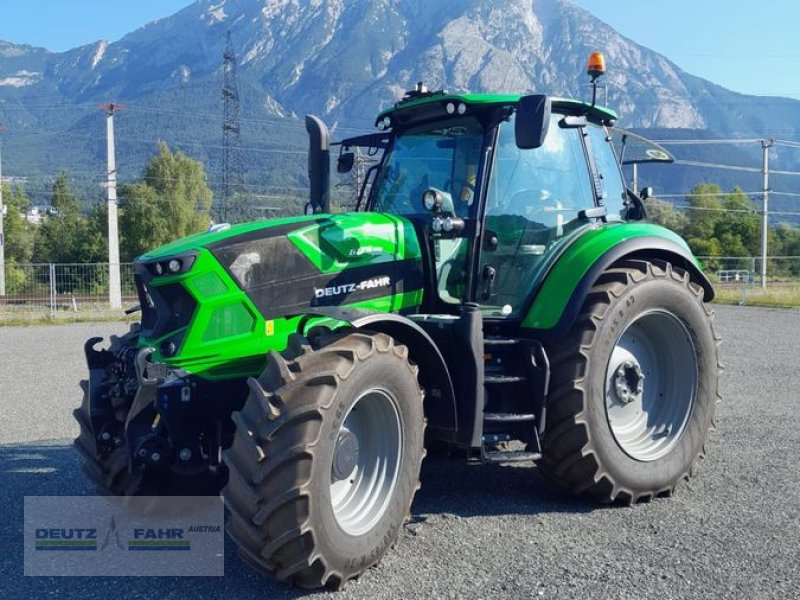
343	60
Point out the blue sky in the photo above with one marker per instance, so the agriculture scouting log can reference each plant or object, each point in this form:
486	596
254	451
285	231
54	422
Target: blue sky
63	24
749	46
735	43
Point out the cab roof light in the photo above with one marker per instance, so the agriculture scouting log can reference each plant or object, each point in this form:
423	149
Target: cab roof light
596	65
595	68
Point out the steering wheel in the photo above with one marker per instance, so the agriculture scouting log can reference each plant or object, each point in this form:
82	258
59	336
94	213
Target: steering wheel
457	186
531	199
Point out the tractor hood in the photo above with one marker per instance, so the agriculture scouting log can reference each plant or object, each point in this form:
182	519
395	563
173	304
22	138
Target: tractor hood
227	287
199	240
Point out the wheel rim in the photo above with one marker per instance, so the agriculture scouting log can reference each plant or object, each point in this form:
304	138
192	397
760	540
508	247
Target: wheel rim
651	384
366	461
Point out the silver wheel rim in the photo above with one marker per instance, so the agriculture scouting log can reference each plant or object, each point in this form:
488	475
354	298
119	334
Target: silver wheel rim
366	461
651	384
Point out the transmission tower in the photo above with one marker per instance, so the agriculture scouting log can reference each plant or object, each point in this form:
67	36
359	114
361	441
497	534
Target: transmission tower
232	207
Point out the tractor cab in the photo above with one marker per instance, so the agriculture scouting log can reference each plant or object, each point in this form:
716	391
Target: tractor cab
497	186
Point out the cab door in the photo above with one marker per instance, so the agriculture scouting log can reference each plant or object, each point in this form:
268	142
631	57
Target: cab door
532	207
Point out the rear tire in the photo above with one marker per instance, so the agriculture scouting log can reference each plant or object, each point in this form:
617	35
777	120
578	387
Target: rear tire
318	430
634	386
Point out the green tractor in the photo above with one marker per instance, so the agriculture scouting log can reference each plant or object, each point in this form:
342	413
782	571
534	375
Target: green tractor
497	289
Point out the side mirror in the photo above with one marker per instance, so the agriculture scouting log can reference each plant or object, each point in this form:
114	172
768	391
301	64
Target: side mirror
344	164
646	193
532	121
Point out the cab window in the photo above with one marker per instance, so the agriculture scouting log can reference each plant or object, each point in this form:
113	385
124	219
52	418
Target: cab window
613	187
440	155
533	202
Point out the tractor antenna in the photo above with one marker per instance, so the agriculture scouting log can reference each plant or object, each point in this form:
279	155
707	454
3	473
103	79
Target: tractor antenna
231	206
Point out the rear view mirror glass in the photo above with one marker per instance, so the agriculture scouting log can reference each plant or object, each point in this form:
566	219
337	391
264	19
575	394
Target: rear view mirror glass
532	121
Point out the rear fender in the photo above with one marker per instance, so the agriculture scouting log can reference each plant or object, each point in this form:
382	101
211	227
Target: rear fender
555	309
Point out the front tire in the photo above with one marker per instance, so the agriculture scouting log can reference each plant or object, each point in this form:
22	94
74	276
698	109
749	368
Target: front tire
325	459
634	386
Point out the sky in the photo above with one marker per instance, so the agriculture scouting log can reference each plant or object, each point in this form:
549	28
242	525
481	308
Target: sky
60	25
734	43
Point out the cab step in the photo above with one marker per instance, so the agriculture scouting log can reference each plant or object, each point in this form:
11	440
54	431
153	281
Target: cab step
507	418
503	379
511	456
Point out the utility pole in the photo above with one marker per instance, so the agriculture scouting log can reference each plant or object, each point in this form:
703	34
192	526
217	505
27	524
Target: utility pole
765	146
231	142
2	231
114	281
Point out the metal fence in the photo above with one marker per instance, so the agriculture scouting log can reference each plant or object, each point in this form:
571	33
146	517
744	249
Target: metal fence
738	279
62	291
80	291
747	269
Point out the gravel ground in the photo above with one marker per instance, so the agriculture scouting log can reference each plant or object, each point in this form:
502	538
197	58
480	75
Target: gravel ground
489	531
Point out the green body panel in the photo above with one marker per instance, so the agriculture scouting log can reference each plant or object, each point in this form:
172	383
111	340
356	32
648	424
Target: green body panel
228	336
199	240
577	260
566	104
356	238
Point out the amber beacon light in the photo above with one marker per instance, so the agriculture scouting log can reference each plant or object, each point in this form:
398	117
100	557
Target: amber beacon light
596	66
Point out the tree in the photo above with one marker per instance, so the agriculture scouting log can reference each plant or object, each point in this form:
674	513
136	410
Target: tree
665	214
787	243
94	246
142	222
739	231
19	233
722	224
705	212
172	201
62	234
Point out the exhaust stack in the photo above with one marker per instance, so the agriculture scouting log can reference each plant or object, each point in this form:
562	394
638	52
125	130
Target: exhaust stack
319	168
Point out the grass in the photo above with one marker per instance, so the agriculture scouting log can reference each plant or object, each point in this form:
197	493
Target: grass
17	317
779	295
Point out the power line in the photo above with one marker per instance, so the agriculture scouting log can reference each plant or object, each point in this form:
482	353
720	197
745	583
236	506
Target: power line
707	194
754	212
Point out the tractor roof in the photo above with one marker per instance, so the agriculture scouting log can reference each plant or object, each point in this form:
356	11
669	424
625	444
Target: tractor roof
601	113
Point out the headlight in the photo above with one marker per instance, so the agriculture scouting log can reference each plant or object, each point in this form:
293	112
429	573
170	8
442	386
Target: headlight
174	265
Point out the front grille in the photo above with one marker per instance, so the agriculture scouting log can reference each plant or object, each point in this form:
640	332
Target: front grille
146	302
164	308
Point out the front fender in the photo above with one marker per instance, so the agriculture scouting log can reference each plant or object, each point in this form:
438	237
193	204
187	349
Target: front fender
434	376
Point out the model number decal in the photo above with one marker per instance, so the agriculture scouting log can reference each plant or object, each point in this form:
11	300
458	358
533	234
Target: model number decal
348	288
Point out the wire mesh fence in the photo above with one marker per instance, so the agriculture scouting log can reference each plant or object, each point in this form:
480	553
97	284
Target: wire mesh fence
81	291
739	279
62	291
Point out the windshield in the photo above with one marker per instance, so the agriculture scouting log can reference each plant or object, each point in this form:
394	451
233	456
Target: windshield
441	155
